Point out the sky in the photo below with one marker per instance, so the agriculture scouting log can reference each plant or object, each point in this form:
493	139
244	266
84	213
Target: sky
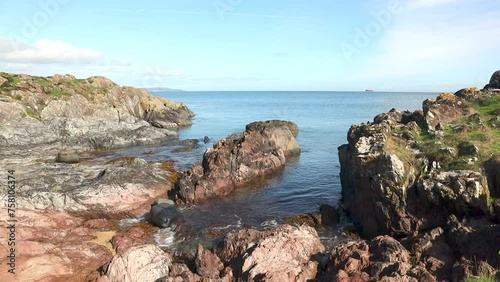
257	45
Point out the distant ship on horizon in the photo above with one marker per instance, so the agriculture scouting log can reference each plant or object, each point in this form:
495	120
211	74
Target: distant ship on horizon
369	90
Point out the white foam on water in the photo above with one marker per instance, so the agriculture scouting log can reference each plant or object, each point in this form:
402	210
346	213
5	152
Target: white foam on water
131	221
269	223
164	237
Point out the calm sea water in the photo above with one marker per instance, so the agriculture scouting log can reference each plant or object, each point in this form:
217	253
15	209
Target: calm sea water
313	179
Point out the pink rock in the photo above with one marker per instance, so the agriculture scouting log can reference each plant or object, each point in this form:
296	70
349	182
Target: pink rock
208	264
145	263
239	159
284	253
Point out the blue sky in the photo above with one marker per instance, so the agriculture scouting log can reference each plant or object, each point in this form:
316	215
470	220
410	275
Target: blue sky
392	45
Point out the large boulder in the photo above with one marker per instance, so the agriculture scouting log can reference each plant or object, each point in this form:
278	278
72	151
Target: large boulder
143	263
284	253
494	81
239	159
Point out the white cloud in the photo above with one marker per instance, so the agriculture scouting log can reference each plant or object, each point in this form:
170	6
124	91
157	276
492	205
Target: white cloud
46	52
46	57
434	43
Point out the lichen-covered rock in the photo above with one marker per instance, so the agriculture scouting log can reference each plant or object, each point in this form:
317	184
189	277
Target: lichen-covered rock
390	187
235	161
446	108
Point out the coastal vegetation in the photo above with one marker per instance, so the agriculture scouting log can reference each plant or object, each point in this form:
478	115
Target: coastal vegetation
464	143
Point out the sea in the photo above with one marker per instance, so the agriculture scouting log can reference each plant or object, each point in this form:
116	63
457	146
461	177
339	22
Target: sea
307	181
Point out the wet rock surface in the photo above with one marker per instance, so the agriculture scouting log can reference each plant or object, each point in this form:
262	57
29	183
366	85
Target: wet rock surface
165	214
237	160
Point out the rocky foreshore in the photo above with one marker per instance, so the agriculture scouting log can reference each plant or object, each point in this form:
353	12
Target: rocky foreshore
68	198
422	189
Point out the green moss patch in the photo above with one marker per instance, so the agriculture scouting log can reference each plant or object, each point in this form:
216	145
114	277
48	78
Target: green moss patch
58	93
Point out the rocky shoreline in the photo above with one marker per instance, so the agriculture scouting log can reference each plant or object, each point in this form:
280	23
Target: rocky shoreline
422	189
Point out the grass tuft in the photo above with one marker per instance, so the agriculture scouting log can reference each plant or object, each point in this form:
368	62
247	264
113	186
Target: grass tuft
58	93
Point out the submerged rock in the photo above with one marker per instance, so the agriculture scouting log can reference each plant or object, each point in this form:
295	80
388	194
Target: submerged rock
239	159
165	214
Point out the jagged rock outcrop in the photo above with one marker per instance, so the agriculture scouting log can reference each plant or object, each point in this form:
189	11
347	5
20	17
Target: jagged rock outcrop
284	253
381	259
430	180
474	239
446	108
392	184
93	113
235	161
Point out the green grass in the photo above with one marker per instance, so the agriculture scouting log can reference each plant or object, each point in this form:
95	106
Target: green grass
58	93
43	81
482	278
30	113
11	78
487	106
481	134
